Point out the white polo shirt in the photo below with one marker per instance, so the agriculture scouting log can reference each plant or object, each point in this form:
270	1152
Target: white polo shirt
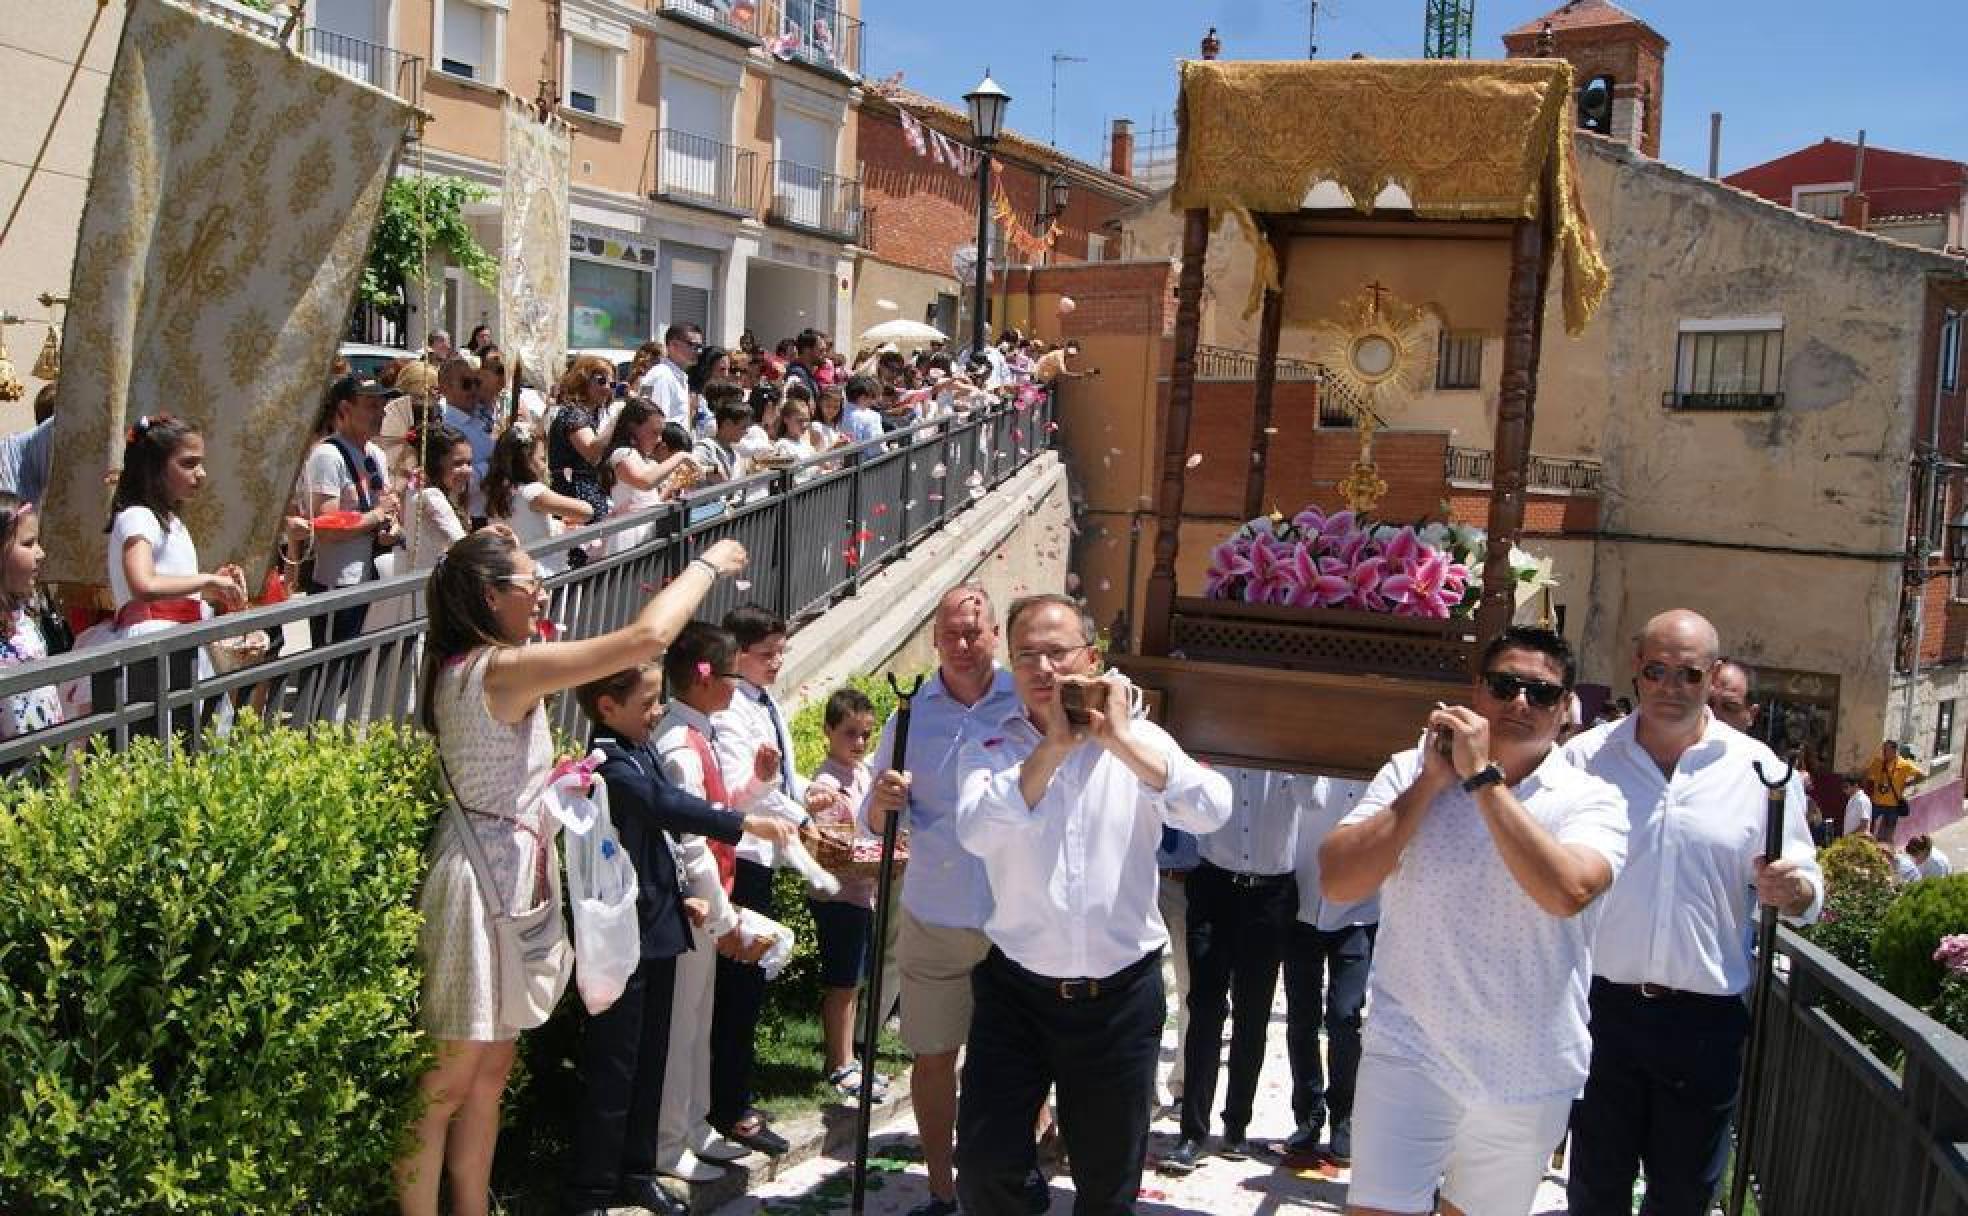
1471	978
1328	800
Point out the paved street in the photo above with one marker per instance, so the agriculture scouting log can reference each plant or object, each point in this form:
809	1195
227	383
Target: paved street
1255	1187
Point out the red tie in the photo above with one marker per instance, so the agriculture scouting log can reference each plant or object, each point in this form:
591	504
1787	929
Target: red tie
727	857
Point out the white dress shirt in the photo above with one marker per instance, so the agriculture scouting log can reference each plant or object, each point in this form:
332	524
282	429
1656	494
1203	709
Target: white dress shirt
1073	879
743	727
668	386
944	885
682	765
1261	836
1681	915
1327	801
1471	978
1858	812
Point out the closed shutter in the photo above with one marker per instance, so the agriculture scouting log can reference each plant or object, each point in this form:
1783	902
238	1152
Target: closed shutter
691	282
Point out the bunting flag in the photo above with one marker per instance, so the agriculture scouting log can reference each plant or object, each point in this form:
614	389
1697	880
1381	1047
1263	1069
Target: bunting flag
228	215
927	141
912	131
787	44
1030	244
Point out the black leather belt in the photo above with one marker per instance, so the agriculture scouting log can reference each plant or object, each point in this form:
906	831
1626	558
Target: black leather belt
1658	992
1086	989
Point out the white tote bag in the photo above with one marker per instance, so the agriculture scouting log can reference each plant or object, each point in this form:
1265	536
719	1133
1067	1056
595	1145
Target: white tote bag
601	884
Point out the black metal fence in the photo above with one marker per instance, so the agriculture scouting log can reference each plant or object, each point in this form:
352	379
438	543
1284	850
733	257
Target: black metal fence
815	200
1478	466
1841	1131
814	532
705	172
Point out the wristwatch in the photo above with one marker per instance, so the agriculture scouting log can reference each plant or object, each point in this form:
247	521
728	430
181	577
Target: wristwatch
1489	774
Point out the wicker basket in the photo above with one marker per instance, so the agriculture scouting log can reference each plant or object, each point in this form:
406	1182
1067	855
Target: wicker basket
849	857
231	654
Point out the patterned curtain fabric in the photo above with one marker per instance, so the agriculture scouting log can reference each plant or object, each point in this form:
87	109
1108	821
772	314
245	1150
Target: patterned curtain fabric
1464	140
230	204
533	235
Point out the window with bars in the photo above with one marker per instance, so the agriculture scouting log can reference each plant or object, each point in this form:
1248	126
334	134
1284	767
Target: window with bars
1459	360
1951	352
1944	730
1728	365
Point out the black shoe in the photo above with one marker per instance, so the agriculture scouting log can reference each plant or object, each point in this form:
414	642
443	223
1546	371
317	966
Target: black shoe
1340	1149
1038	1194
1302	1142
648	1194
761	1139
1233	1147
933	1206
1182	1158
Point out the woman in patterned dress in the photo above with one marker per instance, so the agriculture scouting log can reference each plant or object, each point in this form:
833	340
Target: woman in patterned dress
481	695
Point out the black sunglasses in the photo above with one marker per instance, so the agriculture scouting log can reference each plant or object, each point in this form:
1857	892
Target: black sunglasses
1505	687
1657	673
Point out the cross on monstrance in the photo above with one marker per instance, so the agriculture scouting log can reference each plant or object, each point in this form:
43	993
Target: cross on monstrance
1375	290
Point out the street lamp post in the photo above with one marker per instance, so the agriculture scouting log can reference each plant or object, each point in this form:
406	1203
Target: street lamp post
987	110
1053	205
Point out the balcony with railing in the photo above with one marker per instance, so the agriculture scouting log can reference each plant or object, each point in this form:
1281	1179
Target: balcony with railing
816	34
398	73
738	20
812	200
698	171
1476	466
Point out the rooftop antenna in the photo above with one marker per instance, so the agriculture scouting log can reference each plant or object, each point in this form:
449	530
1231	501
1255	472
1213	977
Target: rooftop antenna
1312	32
1057	59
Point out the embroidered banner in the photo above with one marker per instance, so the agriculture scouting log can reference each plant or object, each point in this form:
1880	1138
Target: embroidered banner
228	216
534	233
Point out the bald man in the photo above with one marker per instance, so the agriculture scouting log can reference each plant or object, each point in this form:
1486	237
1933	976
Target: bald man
1672	957
1728	696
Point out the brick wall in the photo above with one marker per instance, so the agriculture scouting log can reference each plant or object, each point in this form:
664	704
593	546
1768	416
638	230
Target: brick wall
922	210
1108	297
1545	513
1625	53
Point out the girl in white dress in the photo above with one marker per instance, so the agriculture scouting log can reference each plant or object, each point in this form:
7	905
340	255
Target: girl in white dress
23	643
481	694
436	518
634	469
517	495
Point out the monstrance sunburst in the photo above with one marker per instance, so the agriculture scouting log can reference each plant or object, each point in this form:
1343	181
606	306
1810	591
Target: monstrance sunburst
1377	347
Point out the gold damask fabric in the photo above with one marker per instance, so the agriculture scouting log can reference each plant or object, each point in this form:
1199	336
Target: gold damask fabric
228	216
1464	140
533	240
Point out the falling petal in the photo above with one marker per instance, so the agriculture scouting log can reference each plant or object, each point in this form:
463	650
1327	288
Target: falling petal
743	584
881	508
1270	430
1105	585
1113	451
941	470
1195	458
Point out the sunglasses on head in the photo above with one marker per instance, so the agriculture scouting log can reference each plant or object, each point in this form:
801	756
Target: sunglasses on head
1658	673
1504	687
600	378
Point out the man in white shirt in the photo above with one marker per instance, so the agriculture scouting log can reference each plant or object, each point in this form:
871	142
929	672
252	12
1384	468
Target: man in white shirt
1242	900
473	413
1672	959
945	900
750	722
1067	818
1328	958
668	383
1927	861
1490	854
1858	808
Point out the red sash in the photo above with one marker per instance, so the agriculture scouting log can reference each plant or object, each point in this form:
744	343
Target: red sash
727	857
184	610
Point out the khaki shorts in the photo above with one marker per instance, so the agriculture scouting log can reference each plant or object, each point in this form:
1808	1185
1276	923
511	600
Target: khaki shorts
936	963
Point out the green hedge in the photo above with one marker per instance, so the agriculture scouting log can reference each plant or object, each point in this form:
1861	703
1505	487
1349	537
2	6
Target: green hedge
208	980
1912	929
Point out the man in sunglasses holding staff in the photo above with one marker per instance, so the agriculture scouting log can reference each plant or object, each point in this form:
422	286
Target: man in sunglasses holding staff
1490	854
1672	960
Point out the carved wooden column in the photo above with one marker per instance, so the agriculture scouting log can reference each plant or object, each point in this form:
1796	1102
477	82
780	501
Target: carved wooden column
1511	447
1175	433
1269	322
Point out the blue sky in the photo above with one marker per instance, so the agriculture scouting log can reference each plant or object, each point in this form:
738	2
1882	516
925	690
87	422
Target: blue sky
1784	73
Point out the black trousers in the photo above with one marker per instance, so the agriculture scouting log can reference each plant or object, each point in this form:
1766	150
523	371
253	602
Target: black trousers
1236	943
1660	1098
620	1062
1098	1048
735	1008
1325	985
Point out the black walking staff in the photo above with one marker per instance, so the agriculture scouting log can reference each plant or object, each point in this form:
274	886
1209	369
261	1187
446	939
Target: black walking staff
871	1016
1766	958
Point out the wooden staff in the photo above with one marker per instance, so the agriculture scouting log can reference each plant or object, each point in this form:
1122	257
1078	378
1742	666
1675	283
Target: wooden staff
1766	958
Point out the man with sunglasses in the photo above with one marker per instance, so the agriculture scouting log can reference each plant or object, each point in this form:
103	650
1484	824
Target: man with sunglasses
1490	854
668	383
1672	960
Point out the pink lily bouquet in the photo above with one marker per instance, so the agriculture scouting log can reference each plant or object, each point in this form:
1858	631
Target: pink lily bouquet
1344	560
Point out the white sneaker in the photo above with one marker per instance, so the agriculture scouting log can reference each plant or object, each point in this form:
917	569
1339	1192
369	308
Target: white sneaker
692	1168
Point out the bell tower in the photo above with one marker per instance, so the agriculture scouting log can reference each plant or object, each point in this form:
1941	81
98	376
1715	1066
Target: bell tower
1618	61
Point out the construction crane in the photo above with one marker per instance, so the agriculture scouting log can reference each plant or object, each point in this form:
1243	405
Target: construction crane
1448	29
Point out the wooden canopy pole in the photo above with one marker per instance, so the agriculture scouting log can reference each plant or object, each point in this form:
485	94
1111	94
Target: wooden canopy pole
1175	435
1511	448
1270	321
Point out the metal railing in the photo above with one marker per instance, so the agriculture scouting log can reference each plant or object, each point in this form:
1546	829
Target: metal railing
815	33
704	172
814	533
1839	1130
1477	466
1722	402
385	67
1228	363
815	200
739	17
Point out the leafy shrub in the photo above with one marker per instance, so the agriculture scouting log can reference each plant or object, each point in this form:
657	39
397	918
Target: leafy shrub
1912	928
1950	1009
208	980
1854	863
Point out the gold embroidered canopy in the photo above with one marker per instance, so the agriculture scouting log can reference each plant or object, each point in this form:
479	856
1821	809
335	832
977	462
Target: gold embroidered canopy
1464	140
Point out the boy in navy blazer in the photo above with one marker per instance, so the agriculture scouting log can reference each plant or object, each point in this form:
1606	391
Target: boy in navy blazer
623	1050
